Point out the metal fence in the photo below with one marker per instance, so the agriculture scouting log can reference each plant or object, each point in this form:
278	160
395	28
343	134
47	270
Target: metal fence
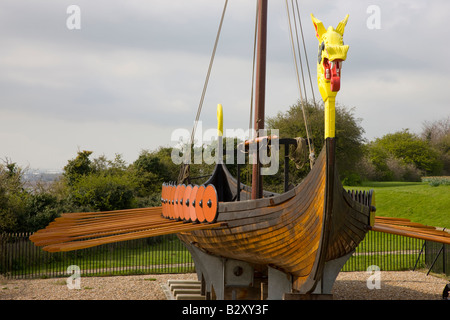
20	258
396	253
388	252
437	257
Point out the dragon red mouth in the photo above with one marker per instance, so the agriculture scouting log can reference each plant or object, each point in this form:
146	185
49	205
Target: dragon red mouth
332	72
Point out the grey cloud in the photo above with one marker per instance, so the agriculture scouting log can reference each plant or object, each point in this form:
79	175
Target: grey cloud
144	63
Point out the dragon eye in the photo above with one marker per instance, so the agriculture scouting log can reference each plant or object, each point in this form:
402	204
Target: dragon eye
321	48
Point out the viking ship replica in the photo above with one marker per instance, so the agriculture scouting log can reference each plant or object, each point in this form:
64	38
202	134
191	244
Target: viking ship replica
247	242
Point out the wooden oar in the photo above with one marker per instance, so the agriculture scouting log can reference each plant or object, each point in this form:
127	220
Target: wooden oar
76	245
100	223
74	231
405	227
410	233
63	237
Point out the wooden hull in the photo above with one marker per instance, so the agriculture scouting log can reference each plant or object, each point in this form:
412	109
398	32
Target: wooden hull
296	232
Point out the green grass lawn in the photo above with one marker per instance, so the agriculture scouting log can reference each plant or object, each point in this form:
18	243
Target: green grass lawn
417	201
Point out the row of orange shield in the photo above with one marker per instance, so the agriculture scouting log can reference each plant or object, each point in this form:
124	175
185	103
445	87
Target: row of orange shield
191	203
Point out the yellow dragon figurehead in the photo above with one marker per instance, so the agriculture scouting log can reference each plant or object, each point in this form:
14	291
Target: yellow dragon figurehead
332	52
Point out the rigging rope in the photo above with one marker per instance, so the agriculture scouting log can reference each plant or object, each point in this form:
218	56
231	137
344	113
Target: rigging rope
306	55
298	48
250	126
209	71
184	171
311	150
250	122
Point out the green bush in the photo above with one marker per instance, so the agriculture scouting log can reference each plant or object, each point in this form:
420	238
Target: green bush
352	179
41	209
103	192
403	156
437	181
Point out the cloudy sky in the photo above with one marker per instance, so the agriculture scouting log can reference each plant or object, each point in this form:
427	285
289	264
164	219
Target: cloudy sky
134	71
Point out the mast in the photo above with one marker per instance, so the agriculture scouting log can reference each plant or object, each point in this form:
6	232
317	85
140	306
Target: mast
260	93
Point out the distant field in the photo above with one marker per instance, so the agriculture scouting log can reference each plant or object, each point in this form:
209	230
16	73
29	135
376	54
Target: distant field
418	201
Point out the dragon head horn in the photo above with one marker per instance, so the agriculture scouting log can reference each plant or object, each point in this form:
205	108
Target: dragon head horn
341	26
318	25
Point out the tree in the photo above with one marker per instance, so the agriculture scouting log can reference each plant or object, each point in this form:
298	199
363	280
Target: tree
349	134
41	209
102	164
103	192
152	168
409	148
78	167
397	155
437	135
100	184
12	197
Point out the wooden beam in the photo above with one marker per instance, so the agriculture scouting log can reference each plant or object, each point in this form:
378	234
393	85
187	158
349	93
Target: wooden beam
412	233
260	93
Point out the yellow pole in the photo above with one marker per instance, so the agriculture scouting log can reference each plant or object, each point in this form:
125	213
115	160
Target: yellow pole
219	120
330	115
220	133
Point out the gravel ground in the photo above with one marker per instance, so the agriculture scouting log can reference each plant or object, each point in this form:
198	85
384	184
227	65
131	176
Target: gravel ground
405	285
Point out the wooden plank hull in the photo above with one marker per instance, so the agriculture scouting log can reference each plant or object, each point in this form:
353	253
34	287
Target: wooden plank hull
296	232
